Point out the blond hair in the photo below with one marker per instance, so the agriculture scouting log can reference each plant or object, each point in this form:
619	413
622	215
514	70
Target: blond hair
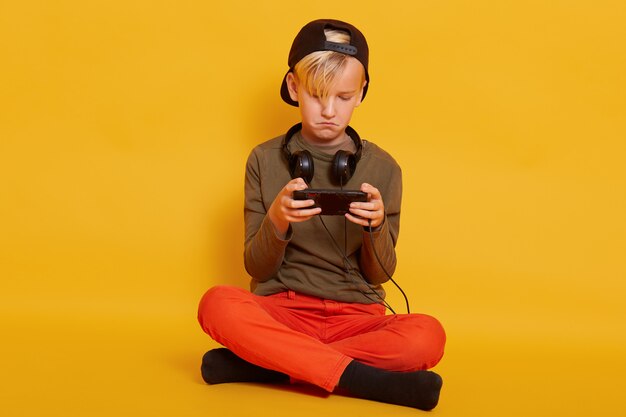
318	71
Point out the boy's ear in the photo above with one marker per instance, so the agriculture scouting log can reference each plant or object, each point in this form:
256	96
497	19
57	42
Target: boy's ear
292	86
361	93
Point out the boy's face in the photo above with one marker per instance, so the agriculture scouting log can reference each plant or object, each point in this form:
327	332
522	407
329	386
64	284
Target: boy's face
325	121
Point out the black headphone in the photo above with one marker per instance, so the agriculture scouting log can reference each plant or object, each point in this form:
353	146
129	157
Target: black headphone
343	165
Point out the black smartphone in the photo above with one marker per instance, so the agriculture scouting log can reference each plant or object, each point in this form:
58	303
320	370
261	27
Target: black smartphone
332	202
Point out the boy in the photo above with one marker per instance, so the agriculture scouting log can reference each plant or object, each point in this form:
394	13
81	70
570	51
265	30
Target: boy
315	312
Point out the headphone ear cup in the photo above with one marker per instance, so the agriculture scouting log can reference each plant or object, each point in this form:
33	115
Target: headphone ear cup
301	165
344	165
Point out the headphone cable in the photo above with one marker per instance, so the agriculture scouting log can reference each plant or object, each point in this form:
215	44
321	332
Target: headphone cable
350	268
406	299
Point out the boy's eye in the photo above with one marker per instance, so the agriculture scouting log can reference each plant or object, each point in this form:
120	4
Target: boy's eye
345	98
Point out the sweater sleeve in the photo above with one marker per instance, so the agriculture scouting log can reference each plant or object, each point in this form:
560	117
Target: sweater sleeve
264	249
382	241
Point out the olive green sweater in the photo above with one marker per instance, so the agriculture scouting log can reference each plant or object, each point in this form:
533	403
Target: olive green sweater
307	261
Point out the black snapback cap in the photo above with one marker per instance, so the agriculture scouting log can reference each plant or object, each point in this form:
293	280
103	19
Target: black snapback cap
312	38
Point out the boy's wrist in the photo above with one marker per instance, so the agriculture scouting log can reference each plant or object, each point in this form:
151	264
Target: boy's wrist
376	228
281	228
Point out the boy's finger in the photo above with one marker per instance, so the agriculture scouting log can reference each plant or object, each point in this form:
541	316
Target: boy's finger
298	204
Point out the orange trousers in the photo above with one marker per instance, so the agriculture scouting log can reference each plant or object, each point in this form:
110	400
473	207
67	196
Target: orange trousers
312	339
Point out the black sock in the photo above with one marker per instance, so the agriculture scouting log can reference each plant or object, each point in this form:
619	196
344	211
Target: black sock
221	365
419	389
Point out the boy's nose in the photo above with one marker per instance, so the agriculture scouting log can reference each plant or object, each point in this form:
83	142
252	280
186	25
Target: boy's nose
328	109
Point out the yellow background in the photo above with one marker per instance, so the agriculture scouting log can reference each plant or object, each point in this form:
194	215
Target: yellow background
124	130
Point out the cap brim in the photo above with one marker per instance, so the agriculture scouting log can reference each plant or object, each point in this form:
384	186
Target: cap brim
284	92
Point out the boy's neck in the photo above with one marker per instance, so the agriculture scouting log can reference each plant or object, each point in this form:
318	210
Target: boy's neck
330	148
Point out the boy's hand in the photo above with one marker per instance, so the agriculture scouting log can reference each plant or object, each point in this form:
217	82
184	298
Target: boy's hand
373	209
285	209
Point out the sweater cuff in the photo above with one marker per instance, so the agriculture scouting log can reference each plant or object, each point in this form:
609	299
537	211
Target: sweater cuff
270	230
378	228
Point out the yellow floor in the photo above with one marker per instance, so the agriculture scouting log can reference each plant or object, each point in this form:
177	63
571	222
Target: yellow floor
94	364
